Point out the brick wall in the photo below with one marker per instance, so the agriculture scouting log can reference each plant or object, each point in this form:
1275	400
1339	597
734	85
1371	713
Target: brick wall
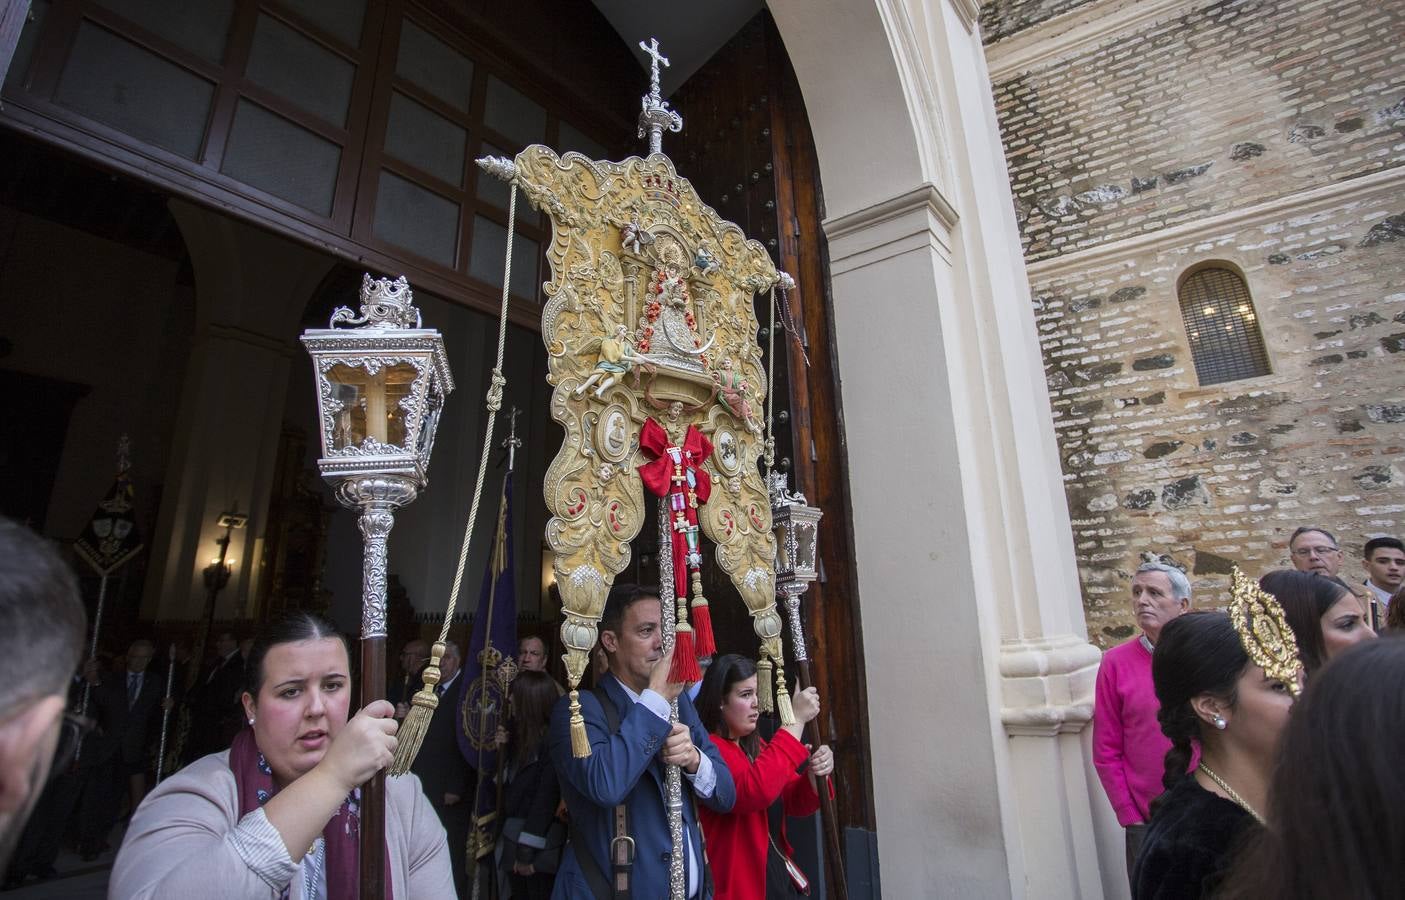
1002	18
1227	105
1223	474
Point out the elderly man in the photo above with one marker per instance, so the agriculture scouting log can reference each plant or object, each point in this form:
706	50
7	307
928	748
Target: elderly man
1385	569
1129	749
444	774
42	624
617	792
1315	549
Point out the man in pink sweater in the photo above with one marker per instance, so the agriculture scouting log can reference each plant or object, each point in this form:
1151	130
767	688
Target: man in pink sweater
1129	749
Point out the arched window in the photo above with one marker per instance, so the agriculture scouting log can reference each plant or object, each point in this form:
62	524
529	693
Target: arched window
1223	328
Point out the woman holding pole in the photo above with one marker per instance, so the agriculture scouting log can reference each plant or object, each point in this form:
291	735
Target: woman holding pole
750	855
280	810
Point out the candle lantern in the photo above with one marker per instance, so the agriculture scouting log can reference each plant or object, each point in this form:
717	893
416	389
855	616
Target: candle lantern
381	383
796	526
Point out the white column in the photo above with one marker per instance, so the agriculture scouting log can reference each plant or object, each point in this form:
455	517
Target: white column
978	669
251	288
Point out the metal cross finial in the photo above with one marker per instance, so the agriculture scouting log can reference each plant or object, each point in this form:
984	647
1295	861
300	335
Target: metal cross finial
512	441
655	57
655	116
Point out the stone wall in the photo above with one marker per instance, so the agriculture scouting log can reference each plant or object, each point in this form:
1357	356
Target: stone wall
1223	106
1002	18
1267	136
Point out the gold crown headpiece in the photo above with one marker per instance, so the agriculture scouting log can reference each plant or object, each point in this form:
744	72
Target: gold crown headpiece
1264	632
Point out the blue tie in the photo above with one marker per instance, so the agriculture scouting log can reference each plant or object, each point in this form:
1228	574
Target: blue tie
132	682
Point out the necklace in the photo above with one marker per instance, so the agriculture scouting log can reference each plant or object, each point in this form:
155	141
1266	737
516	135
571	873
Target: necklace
1233	794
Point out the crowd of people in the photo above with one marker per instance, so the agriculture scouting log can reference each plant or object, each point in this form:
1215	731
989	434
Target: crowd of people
1232	778
1242	760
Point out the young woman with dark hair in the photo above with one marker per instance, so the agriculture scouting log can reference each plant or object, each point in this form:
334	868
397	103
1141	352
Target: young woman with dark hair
747	846
278	813
1395	612
532	835
1336	825
1326	617
1210	694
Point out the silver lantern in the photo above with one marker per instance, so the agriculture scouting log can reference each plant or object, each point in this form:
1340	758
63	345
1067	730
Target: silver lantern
796	526
381	383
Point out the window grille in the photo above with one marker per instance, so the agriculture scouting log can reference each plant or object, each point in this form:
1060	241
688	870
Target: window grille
1223	327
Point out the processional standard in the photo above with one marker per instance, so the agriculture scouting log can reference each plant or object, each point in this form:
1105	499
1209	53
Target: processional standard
659	382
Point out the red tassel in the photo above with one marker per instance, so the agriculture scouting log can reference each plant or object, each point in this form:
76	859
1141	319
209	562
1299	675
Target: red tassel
702	628
685	661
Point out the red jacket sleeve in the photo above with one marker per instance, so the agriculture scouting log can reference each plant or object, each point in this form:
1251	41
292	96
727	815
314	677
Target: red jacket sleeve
760	783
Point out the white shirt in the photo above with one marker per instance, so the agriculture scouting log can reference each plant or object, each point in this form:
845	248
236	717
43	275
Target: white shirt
703	781
1382	595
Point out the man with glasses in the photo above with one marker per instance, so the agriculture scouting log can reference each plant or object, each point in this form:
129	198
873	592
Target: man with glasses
1315	549
42	624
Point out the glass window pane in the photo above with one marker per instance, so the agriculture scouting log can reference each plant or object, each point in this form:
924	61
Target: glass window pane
298	69
368	406
201	28
409	216
425	139
272	154
495	192
489	248
117	82
572	139
339	18
429	63
29	36
513	115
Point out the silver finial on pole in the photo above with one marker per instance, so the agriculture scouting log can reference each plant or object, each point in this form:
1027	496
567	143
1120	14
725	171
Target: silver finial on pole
512	441
655	116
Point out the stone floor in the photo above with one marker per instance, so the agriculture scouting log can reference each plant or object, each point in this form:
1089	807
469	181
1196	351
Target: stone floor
76	879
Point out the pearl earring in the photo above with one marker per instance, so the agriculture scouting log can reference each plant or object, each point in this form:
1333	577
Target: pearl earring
251	721
1220	723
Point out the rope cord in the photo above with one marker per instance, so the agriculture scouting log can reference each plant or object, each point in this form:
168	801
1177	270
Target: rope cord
494	403
770	448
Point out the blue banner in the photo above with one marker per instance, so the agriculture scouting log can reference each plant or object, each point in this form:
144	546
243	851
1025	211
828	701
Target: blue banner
490	660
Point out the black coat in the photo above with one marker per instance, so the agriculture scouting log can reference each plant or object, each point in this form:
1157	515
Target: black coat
1192	842
127	732
440	764
532	794
216	711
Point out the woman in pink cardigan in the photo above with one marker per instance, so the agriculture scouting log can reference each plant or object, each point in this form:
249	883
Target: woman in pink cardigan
1129	750
278	813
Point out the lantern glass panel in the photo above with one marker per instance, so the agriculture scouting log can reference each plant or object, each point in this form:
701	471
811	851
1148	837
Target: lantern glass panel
805	548
783	561
369	405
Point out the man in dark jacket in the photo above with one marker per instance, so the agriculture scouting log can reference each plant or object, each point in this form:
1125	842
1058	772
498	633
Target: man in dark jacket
127	708
217	714
443	771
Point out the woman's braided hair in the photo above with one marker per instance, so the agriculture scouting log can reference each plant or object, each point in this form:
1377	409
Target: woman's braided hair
1198	653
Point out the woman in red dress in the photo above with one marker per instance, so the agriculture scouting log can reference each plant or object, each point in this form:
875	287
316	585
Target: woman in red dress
747	846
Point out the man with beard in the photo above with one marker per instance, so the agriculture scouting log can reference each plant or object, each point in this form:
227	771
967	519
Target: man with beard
42	624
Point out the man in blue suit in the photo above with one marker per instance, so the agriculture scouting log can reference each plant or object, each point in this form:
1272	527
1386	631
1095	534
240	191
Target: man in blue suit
626	764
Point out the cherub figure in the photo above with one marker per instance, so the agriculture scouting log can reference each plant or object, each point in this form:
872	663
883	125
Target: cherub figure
616	359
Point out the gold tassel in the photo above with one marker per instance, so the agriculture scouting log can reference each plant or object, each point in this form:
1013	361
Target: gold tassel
787	712
763	686
416	724
580	741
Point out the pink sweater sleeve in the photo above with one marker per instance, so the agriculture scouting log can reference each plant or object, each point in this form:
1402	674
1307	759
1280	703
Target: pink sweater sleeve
1109	742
